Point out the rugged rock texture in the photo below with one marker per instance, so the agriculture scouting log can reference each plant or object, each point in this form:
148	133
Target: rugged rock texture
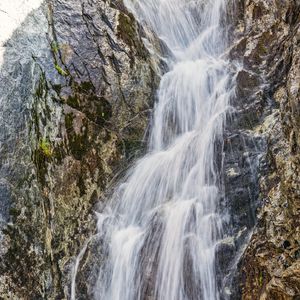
78	88
269	48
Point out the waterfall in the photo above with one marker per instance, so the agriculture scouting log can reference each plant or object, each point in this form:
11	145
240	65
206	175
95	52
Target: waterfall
163	223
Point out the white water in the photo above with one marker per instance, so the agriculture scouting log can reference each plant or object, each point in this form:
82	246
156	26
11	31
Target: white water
162	225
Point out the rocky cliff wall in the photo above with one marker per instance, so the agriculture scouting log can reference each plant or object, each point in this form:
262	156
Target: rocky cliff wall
78	87
268	45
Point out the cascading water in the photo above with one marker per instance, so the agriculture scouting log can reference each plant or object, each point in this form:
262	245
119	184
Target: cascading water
162	225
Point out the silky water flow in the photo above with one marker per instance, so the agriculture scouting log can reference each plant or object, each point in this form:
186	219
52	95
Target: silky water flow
163	223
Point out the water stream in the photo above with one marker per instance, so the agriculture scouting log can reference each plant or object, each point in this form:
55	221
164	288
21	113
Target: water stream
161	228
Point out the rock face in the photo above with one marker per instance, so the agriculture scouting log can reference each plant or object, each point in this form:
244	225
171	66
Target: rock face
268	45
78	85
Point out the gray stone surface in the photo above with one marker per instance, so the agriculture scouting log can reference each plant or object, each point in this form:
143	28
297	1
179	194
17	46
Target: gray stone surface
77	87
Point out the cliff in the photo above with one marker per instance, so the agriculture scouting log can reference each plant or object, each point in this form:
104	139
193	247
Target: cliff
268	45
78	85
77	89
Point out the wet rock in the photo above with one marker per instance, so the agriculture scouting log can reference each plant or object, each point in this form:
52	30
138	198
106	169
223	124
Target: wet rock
268	46
246	83
77	88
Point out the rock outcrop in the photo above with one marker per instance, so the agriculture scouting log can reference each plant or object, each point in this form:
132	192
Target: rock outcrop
77	88
268	46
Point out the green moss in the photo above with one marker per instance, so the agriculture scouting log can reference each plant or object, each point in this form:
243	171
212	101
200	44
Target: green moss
42	88
61	71
14	212
85	86
54	47
45	148
73	101
69	121
83	98
126	30
78	143
57	88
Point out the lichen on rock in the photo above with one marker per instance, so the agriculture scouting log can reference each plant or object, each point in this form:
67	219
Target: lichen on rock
269	268
87	108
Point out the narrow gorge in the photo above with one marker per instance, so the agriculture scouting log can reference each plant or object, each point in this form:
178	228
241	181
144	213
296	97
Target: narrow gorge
149	150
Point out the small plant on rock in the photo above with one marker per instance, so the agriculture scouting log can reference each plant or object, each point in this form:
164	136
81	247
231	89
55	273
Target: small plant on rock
45	148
